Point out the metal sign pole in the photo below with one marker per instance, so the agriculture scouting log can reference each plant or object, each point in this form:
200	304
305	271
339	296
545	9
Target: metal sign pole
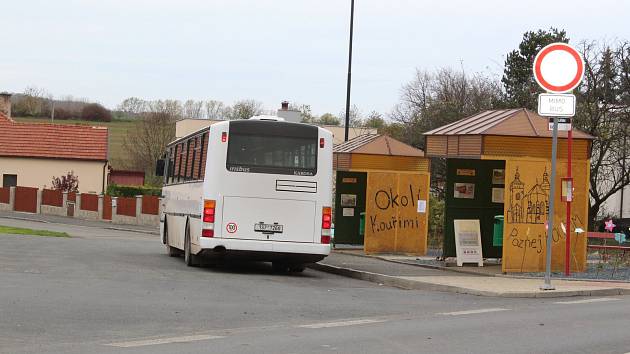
567	256
552	193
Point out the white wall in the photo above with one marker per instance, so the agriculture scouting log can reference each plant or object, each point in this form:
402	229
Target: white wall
38	172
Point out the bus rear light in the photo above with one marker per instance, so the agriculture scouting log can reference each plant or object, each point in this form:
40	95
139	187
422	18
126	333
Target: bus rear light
223	137
208	218
326	223
321	142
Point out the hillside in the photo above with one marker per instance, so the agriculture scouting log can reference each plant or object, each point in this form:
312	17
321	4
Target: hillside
117	132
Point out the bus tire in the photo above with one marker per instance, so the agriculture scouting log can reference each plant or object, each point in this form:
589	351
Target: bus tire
171	251
296	268
280	267
189	258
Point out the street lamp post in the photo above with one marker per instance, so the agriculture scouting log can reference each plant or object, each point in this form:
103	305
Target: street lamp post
349	72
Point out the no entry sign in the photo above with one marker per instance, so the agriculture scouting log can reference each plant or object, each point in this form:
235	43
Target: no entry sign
558	68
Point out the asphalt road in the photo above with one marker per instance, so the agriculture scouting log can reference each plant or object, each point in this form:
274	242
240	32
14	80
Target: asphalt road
108	291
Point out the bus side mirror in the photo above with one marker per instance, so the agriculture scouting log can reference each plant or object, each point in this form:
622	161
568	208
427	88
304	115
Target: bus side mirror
159	168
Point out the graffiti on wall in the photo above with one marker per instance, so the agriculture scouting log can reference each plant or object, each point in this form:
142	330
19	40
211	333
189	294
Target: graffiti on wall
529	205
396	215
527	201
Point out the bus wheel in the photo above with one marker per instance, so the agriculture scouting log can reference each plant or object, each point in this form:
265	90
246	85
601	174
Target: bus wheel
280	267
296	268
171	251
189	258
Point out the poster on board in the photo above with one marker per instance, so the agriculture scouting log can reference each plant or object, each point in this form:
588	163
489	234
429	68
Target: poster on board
498	195
468	242
464	191
498	176
348	200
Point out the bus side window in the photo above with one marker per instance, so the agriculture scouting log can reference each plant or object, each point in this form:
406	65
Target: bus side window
190	158
176	165
181	172
196	159
204	155
171	165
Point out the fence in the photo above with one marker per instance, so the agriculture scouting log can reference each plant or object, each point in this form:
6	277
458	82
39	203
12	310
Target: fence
52	197
139	210
89	202
25	199
5	195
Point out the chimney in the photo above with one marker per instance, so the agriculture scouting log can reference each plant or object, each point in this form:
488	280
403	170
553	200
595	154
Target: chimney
285	105
5	103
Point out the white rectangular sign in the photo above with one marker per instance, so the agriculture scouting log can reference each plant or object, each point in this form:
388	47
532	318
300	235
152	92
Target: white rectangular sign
468	242
564	124
556	105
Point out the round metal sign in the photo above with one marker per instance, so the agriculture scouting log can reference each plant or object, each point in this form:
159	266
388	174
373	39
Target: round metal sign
558	68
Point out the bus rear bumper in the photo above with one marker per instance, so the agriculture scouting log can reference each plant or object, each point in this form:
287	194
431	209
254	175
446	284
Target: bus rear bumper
264	250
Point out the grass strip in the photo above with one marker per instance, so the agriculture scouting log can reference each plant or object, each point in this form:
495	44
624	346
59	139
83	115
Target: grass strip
23	231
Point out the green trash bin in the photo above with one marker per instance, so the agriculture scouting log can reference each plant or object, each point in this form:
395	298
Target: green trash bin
362	224
497	235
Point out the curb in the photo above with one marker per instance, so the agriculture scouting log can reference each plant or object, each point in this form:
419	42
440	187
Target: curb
427	266
407	284
132	230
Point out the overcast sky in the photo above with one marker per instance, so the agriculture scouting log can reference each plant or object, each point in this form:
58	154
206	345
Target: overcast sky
272	50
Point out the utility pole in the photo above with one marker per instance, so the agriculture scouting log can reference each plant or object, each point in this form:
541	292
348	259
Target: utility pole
349	72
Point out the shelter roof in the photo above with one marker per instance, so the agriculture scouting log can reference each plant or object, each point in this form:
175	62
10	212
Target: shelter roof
52	140
509	122
376	144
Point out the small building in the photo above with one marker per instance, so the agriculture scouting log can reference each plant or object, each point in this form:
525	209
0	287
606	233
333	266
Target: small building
498	163
381	195
126	178
31	154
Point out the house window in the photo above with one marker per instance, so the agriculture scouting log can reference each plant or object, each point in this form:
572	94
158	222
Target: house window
9	180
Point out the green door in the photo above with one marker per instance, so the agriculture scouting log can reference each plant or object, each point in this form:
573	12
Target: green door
349	204
469	195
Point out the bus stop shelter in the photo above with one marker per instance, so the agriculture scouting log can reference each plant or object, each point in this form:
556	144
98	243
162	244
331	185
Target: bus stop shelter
381	195
499	167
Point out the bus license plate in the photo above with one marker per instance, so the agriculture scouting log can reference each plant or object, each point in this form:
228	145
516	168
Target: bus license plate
275	228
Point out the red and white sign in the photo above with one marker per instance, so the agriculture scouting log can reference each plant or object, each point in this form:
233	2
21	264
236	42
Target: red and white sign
231	227
558	68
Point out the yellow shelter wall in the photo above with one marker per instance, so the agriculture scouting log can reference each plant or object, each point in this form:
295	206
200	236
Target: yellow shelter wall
533	147
35	172
393	223
526	212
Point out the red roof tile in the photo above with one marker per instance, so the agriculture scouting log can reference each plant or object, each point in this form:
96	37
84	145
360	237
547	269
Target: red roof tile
52	140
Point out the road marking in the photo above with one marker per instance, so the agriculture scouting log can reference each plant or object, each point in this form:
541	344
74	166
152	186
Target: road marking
587	301
183	339
472	312
340	323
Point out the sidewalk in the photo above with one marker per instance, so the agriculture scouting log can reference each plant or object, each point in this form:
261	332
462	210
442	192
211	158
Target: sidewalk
75	221
415	277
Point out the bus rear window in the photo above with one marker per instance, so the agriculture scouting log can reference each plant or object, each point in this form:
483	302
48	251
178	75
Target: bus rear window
272	154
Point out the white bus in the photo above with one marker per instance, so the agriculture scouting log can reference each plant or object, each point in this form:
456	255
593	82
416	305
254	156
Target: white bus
259	188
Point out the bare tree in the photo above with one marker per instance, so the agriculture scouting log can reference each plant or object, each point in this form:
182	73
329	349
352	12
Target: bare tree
215	110
604	112
433	99
193	109
147	141
245	109
133	106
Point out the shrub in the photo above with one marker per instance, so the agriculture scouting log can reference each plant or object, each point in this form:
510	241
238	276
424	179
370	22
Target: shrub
96	112
115	190
67	183
63	114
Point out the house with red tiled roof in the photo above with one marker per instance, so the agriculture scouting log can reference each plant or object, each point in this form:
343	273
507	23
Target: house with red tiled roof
31	154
